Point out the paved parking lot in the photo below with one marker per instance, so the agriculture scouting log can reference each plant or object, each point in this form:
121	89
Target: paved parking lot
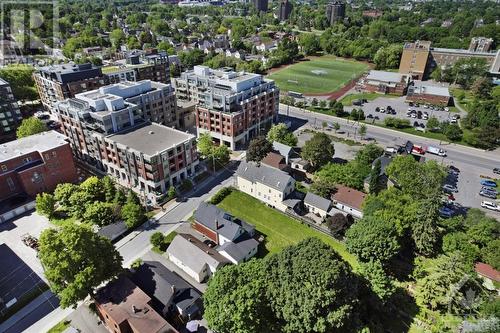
468	185
12	231
401	107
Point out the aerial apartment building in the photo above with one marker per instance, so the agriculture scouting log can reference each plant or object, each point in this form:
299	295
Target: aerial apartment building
10	116
59	82
233	107
335	12
110	129
284	10
138	67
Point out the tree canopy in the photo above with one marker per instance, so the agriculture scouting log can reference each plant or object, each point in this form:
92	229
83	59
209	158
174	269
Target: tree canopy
304	288
75	268
30	126
318	150
281	134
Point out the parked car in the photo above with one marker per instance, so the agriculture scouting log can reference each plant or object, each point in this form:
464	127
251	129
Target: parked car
414	115
376	118
454	168
410	104
489	189
382	110
377	109
496	170
490	205
446	109
488	183
369	116
449	188
446	212
408	114
487	194
394	112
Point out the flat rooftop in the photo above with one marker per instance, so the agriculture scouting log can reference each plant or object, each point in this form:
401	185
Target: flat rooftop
150	139
384	76
39	142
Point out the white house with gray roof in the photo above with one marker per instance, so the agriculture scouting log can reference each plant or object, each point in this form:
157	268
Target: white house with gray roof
317	205
194	257
267	184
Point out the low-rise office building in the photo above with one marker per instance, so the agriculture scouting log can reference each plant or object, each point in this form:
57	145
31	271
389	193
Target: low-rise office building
386	82
232	107
35	164
422	92
59	82
10	115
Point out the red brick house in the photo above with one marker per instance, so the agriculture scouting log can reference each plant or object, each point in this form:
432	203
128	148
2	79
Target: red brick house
35	164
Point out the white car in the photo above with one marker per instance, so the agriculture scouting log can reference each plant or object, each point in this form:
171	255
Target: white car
489	205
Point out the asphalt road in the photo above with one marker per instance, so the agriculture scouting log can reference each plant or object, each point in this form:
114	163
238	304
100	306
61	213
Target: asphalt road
472	162
456	153
140	244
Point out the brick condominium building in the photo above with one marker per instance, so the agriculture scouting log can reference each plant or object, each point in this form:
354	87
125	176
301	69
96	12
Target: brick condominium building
110	129
35	164
10	116
59	82
150	158
232	107
136	67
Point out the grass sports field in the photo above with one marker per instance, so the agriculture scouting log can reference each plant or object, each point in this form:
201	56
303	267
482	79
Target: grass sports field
318	75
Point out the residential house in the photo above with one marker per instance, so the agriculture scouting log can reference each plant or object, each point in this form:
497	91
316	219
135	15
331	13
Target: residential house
275	160
383	179
220	226
490	276
267	184
170	294
283	150
317	205
125	308
239	252
267	46
195	258
349	200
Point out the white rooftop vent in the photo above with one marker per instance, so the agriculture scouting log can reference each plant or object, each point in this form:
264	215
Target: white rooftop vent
151	132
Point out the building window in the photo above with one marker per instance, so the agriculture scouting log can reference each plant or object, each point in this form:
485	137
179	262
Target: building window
4	167
36	178
11	184
27	159
54	154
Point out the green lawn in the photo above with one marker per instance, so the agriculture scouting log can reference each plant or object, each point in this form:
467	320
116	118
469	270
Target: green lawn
347	100
279	229
462	97
60	327
300	78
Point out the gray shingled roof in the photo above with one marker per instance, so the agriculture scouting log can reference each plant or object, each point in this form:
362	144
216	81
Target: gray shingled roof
228	226
164	285
283	149
192	256
238	251
317	201
271	177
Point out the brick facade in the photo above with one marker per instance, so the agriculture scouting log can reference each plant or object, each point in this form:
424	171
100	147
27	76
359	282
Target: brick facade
212	235
37	171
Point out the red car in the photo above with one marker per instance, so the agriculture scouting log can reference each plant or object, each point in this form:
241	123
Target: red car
418	150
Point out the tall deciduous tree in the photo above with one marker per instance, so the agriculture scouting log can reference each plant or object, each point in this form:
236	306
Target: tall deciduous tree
318	150
30	126
373	239
304	288
258	149
99	213
63	193
75	268
45	204
281	134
